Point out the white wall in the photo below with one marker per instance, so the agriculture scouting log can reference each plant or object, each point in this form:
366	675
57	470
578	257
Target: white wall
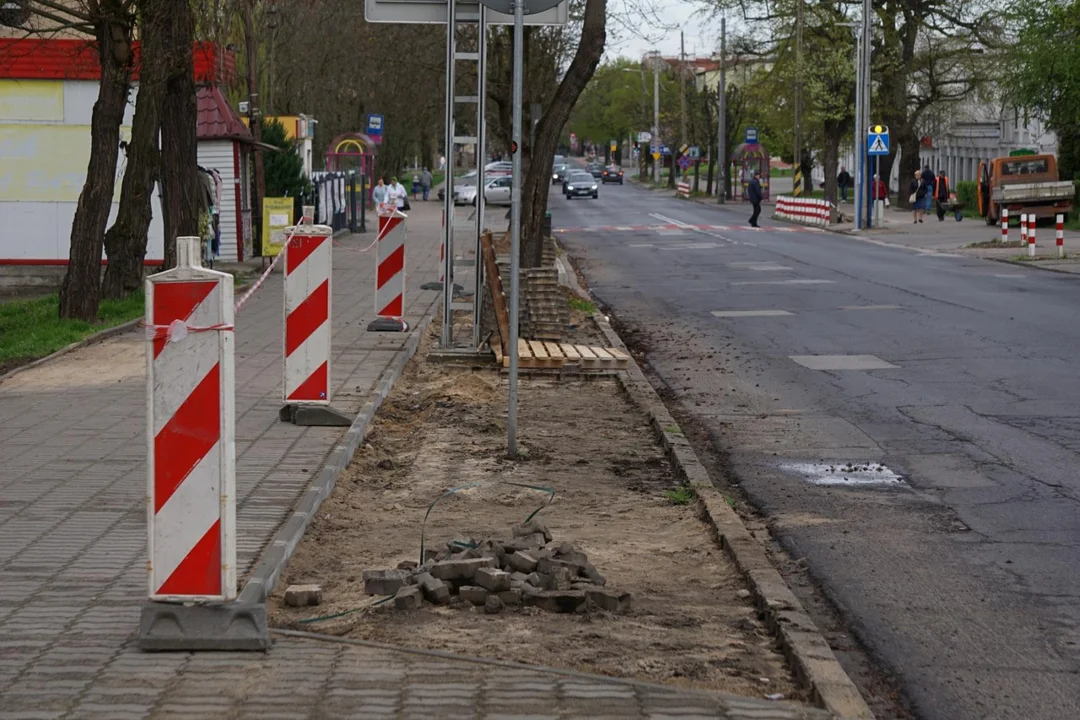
44	149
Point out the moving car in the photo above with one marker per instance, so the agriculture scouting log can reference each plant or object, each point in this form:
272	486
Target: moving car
558	173
1023	184
612	173
596	169
580	184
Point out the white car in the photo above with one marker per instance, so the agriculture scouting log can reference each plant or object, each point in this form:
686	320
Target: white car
497	192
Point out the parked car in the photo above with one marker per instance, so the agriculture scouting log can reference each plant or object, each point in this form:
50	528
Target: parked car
596	170
497	192
558	173
580	184
612	174
502	167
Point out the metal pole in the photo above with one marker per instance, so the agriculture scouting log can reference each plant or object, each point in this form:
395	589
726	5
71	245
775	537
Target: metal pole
447	337
515	227
682	85
481	159
867	49
721	132
657	162
876	217
860	131
798	93
644	122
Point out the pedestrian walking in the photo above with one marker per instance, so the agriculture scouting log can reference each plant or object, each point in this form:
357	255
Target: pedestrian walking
941	194
397	195
754	195
917	196
416	186
843	181
380	193
425	183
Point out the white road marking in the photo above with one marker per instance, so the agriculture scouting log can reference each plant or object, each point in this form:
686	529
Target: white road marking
844	473
870	307
749	313
1009	276
765	267
842	362
669	221
785	282
681	224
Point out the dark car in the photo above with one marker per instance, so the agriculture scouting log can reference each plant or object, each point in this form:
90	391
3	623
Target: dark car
596	170
558	173
580	184
612	174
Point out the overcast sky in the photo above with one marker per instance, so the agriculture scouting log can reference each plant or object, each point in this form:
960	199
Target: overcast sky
631	35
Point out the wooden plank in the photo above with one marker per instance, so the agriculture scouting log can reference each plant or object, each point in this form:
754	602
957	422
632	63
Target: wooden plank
585	352
538	349
569	351
554	351
524	351
494	283
601	353
617	353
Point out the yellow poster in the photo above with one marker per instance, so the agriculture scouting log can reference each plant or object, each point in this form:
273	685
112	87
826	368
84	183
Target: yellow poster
47	163
277	215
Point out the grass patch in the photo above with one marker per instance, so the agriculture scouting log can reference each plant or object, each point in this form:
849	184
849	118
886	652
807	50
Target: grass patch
680	496
674	429
31	329
582	305
996	243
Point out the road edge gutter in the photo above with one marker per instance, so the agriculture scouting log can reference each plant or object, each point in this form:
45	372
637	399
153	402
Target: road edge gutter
805	647
279	550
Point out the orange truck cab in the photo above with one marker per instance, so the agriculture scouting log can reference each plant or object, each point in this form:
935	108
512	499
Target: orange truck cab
1023	184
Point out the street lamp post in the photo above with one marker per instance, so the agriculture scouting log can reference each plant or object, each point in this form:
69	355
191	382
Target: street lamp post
721	130
656	118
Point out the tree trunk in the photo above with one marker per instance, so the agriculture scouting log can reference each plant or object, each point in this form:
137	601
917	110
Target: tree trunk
125	241
80	291
534	192
909	163
709	171
806	164
179	149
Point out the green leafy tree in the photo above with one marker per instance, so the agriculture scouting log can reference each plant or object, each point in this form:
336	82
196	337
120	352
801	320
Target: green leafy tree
1044	72
284	170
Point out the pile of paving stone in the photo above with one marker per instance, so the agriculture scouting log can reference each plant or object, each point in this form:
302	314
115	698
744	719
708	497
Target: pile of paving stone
528	570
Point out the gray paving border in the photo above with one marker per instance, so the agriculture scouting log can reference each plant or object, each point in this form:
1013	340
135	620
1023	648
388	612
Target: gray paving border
806	649
280	549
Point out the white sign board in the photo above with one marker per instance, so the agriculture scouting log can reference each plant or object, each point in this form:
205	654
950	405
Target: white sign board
433	12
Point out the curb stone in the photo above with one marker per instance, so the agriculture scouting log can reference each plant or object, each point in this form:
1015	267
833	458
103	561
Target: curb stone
93	339
262	580
809	654
1029	264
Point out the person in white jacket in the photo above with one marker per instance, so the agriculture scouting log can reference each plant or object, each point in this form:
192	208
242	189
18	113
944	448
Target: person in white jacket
396	194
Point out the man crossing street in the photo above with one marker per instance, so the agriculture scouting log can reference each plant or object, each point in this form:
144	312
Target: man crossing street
754	195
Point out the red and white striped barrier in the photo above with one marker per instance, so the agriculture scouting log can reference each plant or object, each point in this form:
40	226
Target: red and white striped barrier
1031	236
1004	225
1023	228
1059	234
308	262
682	189
390	272
809	211
191	478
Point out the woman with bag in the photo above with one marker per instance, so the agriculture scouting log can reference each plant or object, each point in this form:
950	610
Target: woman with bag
915	199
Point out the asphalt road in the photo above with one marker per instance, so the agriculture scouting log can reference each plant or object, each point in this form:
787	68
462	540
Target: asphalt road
958	374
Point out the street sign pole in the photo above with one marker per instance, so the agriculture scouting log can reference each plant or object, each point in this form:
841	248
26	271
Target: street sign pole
656	119
721	139
515	228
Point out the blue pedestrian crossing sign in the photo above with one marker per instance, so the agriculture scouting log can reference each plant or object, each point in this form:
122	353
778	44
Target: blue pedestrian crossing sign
877	140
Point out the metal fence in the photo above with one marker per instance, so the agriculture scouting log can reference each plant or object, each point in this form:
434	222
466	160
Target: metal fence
339	200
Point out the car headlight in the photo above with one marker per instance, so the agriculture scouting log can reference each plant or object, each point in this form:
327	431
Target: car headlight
569	187
593	187
555	176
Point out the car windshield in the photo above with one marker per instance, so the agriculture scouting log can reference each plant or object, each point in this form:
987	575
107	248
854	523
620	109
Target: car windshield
581	177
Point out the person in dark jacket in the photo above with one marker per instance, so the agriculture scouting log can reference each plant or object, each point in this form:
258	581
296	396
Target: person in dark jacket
941	194
754	195
915	186
843	181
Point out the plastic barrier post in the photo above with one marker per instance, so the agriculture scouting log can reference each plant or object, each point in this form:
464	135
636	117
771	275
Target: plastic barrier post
307	326
1031	236
191	473
1023	228
1059	232
1004	225
390	273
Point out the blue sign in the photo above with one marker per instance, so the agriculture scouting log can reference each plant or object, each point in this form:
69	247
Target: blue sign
751	136
375	125
685	162
877	140
663	149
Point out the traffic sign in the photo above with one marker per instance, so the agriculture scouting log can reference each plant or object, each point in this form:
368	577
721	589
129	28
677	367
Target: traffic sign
683	149
685	162
695	151
375	127
751	136
644	136
655	154
877	140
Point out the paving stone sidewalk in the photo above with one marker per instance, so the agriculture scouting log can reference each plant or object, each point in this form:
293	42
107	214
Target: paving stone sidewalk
73	530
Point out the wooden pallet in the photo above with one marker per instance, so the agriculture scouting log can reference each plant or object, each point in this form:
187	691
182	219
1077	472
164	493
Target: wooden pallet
550	355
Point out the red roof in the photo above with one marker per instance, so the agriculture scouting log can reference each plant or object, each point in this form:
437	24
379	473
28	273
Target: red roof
217	118
71	59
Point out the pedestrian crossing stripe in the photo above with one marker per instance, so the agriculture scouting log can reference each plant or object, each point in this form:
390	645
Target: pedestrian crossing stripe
878	146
